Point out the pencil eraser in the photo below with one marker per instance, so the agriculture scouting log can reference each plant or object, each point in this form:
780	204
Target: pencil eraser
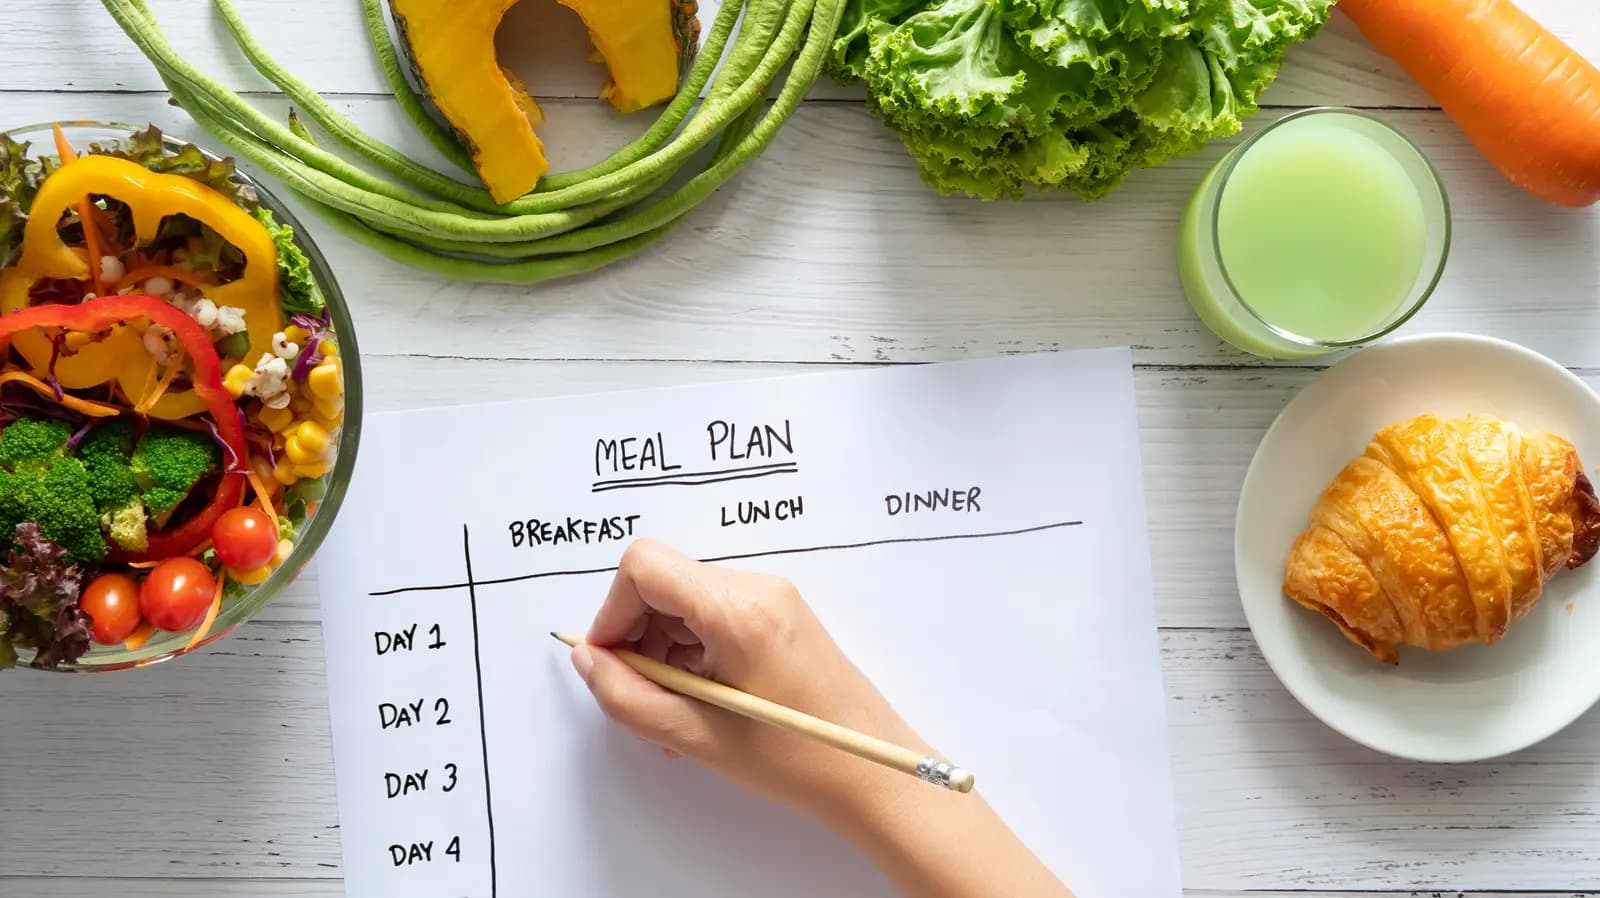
962	780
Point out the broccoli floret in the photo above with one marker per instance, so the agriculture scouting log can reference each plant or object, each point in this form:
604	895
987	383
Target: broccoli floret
168	462
55	495
13	505
127	526
105	453
29	441
114	436
43	485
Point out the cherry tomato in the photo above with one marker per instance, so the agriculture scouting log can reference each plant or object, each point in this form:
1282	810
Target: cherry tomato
112	601
176	594
244	538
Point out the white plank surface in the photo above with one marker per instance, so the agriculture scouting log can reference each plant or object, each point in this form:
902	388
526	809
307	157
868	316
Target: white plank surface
324	43
76	887
220	765
829	247
211	776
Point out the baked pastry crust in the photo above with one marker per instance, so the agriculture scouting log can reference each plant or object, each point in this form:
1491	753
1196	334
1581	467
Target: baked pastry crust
1443	533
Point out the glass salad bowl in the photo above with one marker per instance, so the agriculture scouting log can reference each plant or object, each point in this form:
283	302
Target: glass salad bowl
322	494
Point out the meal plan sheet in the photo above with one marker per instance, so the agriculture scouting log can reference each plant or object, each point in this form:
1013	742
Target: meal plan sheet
972	534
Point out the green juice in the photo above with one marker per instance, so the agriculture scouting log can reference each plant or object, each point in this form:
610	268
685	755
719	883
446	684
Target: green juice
1320	235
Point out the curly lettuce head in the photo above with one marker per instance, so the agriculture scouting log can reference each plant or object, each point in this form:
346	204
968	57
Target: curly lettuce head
20	177
994	97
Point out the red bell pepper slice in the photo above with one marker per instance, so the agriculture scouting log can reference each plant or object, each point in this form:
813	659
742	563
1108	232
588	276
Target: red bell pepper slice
99	314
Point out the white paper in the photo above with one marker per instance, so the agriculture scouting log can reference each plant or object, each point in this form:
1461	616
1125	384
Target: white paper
1017	634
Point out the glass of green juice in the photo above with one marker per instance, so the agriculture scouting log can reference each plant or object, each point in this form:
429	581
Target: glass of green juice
1324	230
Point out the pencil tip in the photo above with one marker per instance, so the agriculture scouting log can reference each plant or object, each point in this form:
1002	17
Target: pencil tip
556	636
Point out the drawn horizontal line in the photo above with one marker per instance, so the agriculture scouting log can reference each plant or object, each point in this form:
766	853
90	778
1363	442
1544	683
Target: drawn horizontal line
680	475
770	553
702	481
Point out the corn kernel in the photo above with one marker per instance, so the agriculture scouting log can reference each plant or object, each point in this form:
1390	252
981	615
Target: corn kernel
276	420
330	424
235	380
313	470
300	405
296	334
329	349
77	339
328	408
285	549
325	381
313	438
284	473
251	578
298	454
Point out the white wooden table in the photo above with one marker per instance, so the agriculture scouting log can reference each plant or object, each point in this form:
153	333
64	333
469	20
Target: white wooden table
211	776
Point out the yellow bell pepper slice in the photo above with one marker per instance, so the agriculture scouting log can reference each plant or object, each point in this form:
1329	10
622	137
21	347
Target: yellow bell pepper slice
151	197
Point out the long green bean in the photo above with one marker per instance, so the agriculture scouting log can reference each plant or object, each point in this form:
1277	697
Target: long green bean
572	222
343	129
433	218
153	43
328	191
738	151
597	235
523	272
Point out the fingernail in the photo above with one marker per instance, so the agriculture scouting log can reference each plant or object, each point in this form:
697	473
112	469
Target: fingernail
582	661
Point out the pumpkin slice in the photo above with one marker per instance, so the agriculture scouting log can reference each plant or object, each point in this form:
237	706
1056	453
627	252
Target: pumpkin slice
646	45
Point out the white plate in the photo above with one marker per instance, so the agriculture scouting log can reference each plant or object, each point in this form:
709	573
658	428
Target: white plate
1466	704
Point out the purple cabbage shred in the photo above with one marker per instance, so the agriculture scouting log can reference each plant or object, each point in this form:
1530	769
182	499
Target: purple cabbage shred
309	358
88	425
234	464
55	354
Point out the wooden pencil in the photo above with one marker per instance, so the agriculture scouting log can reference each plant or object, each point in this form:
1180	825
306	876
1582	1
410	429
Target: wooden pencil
928	769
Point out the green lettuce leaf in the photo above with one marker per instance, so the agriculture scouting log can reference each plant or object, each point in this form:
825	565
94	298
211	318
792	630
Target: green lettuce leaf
993	98
39	589
20	176
297	287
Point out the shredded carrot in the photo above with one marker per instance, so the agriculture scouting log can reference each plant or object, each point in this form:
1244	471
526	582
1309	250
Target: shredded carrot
143	565
263	496
211	613
311	508
63	146
170	272
167	377
82	406
91	236
199	550
139	638
105	227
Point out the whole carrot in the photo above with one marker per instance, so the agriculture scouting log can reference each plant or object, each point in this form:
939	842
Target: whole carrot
1529	102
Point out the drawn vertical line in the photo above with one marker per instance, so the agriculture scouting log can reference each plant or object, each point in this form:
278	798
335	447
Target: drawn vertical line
483	727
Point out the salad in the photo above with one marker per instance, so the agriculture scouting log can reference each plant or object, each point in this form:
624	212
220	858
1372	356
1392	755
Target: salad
171	394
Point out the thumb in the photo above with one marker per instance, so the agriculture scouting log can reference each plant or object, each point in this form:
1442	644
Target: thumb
643	708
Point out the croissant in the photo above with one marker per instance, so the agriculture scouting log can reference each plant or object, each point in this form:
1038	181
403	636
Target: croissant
1443	533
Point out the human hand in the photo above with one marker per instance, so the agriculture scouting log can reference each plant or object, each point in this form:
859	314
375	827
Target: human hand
752	632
